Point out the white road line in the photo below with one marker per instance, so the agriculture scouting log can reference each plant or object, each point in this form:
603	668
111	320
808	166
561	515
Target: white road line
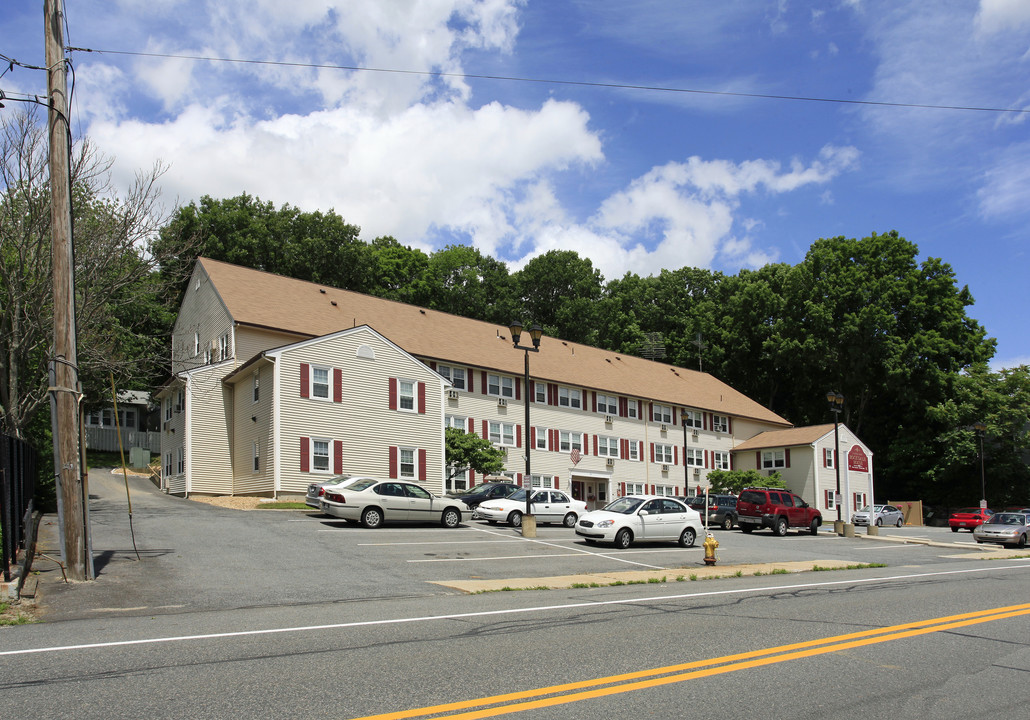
582	551
511	611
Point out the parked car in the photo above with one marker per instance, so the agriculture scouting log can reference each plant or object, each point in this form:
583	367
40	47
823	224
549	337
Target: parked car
374	502
547	506
487	491
968	518
1006	528
722	509
777	509
884	514
641	518
317	490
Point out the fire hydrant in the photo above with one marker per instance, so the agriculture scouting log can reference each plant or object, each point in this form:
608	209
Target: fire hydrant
710	544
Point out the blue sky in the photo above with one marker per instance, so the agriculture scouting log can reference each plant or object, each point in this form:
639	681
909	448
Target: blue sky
635	179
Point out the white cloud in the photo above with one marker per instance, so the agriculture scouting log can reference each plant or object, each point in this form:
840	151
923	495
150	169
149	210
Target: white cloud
1000	15
1005	188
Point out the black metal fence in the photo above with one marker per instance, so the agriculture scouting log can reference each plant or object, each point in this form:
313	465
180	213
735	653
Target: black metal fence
17	490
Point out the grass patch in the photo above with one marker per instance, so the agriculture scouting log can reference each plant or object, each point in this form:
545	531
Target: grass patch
283	506
680	578
693	576
856	566
657	580
10	615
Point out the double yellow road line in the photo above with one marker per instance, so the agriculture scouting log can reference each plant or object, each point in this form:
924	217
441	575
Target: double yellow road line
655	677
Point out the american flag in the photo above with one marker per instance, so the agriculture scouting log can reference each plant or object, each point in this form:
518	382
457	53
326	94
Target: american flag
575	456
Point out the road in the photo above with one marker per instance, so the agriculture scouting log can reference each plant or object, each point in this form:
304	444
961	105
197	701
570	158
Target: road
301	617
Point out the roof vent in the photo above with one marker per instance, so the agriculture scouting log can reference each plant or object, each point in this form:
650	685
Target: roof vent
321	290
333	303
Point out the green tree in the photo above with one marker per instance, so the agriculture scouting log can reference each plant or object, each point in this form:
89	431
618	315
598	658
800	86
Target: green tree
560	291
467	451
462	281
735	481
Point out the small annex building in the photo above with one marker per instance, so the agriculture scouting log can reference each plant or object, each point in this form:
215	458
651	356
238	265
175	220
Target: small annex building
279	382
807	462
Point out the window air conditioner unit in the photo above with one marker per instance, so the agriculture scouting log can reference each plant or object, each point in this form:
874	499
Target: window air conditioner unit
608	418
695	434
665	468
502	402
664	427
452	394
611	462
697	471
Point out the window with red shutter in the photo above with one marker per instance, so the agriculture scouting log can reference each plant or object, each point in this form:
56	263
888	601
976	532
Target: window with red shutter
422	398
305	454
337	457
337	385
305	380
393	393
393	463
422	465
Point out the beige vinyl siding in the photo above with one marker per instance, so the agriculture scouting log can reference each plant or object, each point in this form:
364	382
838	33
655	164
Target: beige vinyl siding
250	341
201	314
209	407
254	423
363	421
173	438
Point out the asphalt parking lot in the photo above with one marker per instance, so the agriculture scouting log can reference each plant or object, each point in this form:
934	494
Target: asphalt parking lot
194	556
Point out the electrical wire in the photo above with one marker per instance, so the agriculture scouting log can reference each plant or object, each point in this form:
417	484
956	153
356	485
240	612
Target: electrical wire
553	81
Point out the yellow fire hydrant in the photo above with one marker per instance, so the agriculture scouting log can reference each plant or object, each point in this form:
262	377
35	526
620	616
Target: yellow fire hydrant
710	544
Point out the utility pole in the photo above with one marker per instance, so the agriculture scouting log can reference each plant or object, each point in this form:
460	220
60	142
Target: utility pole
64	372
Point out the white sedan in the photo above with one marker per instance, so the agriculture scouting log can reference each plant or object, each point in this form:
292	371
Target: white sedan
547	506
641	517
373	502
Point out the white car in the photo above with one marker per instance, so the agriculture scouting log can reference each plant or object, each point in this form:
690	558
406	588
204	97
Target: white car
884	514
374	502
547	506
317	490
641	518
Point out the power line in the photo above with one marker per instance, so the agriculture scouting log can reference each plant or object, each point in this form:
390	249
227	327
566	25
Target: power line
552	81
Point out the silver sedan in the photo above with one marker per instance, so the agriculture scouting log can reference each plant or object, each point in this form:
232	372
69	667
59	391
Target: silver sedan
884	514
1009	529
373	502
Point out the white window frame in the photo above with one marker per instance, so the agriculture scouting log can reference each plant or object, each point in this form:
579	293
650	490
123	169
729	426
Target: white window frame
223	347
315	443
406	390
720	460
180	460
634	450
663	453
774	459
631	408
570	397
255	387
456	421
543	482
693	419
540	392
633	488
459	481
694	457
540	441
607	404
313	384
500	386
663	414
501	434
256	465
455	374
663	490
569	441
831	503
607	446
721	423
168	408
168	464
196	344
402	463
828	457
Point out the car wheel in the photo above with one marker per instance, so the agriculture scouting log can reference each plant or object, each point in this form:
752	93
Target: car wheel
687	537
879	522
451	518
515	519
814	527
780	528
901	522
727	523
954	529
746	529
372	517
1022	542
570	520
623	538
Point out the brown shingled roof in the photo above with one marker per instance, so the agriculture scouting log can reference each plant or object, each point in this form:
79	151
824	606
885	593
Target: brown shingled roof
790	437
280	303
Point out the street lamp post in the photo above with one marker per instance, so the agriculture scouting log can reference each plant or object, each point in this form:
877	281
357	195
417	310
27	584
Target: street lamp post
535	333
981	430
836	401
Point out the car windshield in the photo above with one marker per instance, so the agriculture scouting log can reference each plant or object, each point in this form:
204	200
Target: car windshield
625	506
879	508
517	495
1008	519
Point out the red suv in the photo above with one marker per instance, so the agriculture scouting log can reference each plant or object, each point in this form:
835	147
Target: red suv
775	508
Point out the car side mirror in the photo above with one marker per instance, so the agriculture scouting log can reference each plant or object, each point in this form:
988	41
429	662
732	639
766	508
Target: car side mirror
643	512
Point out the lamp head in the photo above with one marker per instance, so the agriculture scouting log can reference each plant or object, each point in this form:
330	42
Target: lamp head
536	332
515	328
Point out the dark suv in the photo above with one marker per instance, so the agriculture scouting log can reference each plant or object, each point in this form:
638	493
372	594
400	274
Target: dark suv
775	508
722	509
487	491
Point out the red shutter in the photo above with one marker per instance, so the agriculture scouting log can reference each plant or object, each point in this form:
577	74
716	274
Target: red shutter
622	489
470	376
623	449
472	477
758	459
393	393
305	454
337	457
486	429
623	405
595	444
432	364
674	417
826	499
518	389
652	452
552	394
531	439
422	465
594	394
518	436
786	457
586	444
640	409
482	377
640	449
422	398
652	489
337	385
393	463
472	425
729	425
518	479
732	462
676	455
650	411
305	382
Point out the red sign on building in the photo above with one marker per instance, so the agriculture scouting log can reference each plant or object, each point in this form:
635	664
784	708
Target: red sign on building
857	459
